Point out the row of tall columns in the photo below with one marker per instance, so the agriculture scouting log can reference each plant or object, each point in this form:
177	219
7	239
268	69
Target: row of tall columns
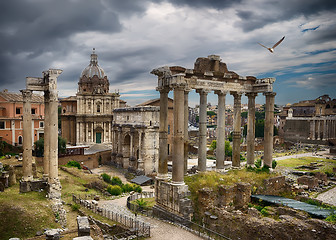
269	128
186	132
323	128
180	119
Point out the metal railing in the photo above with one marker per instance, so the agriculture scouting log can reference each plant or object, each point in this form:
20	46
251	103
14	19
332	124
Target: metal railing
140	229
190	226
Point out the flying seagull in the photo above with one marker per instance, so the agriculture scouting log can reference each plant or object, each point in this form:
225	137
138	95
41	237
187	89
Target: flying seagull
272	48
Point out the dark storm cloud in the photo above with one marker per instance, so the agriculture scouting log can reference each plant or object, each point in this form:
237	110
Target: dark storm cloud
28	29
216	4
268	12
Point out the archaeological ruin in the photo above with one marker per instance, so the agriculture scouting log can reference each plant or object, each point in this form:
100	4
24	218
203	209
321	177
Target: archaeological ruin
209	74
48	85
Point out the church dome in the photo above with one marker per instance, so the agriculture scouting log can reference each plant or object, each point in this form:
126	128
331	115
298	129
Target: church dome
93	68
93	79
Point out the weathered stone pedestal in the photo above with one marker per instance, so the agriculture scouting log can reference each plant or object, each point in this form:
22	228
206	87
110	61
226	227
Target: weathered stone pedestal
35	185
172	199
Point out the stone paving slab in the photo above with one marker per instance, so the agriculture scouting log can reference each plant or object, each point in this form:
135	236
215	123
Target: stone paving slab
313	210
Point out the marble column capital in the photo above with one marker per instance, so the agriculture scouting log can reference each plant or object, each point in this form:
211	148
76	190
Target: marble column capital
163	89
27	95
271	94
251	94
220	92
203	91
236	94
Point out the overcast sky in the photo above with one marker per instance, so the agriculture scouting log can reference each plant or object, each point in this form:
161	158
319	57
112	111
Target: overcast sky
132	37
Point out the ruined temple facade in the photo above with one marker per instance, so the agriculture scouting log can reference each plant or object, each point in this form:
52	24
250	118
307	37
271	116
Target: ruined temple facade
87	118
209	74
311	121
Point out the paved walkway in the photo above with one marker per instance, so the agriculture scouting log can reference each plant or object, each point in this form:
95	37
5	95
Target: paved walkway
309	208
159	230
307	154
328	197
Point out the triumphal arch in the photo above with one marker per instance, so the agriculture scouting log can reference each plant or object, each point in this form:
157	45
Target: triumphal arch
209	74
48	85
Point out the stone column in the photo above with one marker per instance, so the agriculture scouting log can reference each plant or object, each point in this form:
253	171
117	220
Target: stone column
220	149
202	148
178	155
92	137
77	133
325	132
186	133
269	128
250	128
53	153
236	136
314	130
163	135
27	136
318	130
131	144
46	153
141	166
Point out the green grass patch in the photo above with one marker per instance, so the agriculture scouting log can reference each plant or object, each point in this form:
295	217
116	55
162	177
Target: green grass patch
327	167
144	202
214	179
23	214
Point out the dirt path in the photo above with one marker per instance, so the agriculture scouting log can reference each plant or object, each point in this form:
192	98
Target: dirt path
308	154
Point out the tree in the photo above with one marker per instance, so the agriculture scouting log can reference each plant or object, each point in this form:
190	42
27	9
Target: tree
213	145
244	114
228	149
39	146
211	113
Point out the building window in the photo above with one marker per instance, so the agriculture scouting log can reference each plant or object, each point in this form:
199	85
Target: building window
98	108
20	140
127	118
18	110
33	111
168	129
2	124
41	124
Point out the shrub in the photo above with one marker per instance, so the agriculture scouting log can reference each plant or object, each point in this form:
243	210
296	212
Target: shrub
116	181
106	177
274	164
137	188
75	207
127	187
257	163
114	190
331	218
264	212
73	164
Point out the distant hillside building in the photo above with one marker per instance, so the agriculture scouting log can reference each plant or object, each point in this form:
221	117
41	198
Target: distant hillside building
87	118
11	112
312	121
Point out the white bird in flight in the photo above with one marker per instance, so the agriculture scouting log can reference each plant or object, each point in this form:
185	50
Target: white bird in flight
272	48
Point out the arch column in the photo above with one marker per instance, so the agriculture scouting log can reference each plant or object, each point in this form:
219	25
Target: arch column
178	155
236	136
220	149
27	136
251	128
202	130
163	135
269	128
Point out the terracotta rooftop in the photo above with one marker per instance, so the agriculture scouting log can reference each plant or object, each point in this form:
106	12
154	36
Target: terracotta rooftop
17	97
